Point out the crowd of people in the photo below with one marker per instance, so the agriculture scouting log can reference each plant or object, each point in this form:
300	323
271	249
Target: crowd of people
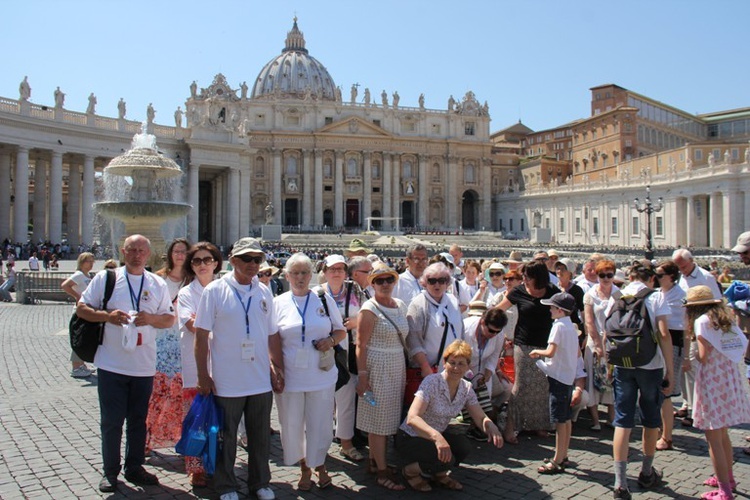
423	346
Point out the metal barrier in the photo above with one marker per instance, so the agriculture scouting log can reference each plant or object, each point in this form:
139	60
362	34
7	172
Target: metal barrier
34	286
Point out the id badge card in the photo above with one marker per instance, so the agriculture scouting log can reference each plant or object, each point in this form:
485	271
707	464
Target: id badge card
248	351
301	358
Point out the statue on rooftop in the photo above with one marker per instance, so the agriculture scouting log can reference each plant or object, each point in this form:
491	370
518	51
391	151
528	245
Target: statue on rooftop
91	109
121	109
150	113
24	89
59	98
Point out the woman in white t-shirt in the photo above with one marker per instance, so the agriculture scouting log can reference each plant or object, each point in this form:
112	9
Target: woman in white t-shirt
308	335
74	286
202	262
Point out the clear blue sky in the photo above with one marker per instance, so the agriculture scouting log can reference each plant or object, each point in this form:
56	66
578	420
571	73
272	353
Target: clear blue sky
531	59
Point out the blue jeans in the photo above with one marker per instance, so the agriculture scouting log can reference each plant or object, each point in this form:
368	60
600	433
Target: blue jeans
5	289
123	398
638	386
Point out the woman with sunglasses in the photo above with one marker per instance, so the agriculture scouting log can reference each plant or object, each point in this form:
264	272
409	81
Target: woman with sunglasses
164	420
667	278
348	298
202	263
434	320
528	408
266	275
381	331
596	302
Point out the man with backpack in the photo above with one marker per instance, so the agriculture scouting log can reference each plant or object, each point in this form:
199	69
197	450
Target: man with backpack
638	343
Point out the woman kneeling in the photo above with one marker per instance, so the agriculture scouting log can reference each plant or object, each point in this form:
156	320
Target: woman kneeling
423	440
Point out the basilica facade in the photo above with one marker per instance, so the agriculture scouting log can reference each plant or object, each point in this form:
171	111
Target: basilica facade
288	140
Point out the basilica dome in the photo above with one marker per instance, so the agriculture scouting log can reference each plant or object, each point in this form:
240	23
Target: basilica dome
294	74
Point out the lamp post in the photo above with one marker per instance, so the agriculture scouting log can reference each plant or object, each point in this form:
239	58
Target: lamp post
648	207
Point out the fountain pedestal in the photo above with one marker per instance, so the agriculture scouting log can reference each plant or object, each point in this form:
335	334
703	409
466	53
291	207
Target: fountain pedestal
270	232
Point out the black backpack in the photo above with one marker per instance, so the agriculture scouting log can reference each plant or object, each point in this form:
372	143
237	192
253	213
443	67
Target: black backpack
87	336
630	338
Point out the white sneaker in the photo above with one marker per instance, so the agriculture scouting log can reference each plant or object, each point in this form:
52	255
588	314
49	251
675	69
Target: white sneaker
232	495
81	372
265	494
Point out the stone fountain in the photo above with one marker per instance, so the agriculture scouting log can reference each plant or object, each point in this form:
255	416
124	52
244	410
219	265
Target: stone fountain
140	190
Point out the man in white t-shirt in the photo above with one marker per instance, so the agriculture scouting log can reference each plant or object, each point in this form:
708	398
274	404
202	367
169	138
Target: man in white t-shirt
408	286
236	326
33	262
126	371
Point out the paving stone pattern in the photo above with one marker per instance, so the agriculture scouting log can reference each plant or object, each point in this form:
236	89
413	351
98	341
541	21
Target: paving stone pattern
50	441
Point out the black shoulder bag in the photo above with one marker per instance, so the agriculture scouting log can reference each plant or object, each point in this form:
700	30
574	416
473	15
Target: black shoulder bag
339	354
87	336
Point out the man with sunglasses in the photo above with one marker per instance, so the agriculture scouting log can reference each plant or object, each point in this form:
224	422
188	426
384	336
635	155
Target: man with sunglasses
235	325
742	248
408	285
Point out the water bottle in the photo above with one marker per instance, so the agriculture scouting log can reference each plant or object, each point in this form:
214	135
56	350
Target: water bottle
213	442
369	398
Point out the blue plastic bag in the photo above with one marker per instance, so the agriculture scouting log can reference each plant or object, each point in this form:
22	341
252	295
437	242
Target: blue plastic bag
201	432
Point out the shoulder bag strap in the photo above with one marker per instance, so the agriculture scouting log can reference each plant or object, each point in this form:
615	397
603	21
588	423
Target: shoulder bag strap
109	287
445	336
400	336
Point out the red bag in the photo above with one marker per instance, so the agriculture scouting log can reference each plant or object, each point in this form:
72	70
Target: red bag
413	381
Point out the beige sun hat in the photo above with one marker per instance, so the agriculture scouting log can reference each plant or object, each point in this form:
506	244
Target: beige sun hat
266	267
700	295
380	269
515	257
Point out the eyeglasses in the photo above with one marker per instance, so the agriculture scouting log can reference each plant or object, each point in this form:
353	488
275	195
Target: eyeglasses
110	267
247	259
512	279
492	331
418	259
336	269
495	275
386	279
660	275
197	261
542	259
442	281
606	275
264	274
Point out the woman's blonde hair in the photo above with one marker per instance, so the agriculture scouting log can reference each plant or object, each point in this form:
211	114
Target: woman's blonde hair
719	315
83	258
458	348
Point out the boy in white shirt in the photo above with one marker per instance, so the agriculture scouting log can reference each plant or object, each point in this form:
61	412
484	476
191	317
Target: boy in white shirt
562	355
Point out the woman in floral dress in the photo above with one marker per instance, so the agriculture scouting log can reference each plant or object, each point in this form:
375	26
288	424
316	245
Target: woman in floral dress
164	421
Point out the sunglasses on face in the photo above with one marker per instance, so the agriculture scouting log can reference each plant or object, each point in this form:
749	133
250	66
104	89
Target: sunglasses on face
386	279
197	261
606	275
442	281
496	274
660	275
491	330
247	259
264	274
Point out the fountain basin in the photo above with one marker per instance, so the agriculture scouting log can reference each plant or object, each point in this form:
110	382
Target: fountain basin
125	210
143	159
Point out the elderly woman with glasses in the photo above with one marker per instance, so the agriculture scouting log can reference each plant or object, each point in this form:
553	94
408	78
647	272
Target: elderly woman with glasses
424	440
381	328
74	286
309	331
434	319
596	303
202	262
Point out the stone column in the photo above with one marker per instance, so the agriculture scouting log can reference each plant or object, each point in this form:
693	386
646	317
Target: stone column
318	213
367	187
396	190
55	198
194	200
716	221
40	201
338	191
307	189
423	190
385	191
246	198
220	227
73	215
485	218
4	195
87	208
276	187
451	198
678	213
733	223
692	221
233	206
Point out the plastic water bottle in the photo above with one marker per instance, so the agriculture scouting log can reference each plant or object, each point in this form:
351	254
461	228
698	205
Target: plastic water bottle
369	397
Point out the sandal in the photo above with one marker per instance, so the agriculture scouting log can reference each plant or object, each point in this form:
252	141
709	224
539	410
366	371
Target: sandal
664	444
713	482
416	481
445	481
551	467
565	462
305	481
388	480
352	454
681	413
324	480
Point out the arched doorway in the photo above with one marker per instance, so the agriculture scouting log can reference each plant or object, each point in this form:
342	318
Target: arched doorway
376	224
407	214
291	212
469	209
352	213
328	218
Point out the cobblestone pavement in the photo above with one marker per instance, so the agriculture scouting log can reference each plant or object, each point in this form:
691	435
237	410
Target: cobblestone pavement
50	441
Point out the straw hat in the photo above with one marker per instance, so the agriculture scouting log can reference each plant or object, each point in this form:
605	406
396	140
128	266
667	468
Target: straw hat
356	246
477	308
266	267
515	257
700	295
380	269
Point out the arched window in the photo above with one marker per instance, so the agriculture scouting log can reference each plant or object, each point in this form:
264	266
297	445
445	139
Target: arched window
376	171
436	172
260	167
469	173
406	170
327	170
351	168
291	166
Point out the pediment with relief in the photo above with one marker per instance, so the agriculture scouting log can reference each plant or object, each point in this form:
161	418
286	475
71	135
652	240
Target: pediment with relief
354	126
